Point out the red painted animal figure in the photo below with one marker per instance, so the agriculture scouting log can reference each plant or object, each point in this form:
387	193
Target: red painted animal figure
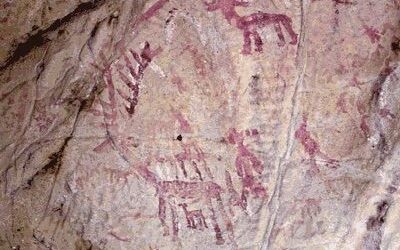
246	164
194	218
168	192
250	23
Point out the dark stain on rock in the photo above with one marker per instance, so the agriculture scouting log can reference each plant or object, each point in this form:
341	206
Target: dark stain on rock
41	36
378	84
395	45
373	236
52	167
374	223
83	244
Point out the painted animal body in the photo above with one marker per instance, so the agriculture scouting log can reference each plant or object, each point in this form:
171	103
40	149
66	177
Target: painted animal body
250	23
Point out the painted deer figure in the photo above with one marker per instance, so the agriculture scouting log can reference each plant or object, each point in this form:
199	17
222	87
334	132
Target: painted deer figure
195	191
194	218
249	23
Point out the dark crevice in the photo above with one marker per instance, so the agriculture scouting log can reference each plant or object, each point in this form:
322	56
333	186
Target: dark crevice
54	163
40	38
56	158
95	29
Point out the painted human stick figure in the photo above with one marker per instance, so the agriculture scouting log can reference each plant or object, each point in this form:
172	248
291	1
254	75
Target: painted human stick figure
194	218
247	165
250	23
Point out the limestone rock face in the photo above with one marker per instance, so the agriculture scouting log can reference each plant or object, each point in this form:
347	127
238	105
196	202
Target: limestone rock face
183	124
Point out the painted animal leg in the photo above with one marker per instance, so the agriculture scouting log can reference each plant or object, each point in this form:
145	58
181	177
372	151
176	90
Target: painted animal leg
227	221
189	221
287	23
174	218
217	229
197	170
192	223
246	50
162	215
202	220
278	31
182	166
258	42
203	163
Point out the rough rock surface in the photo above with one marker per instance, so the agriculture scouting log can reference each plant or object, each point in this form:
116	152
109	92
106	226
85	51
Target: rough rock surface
183	124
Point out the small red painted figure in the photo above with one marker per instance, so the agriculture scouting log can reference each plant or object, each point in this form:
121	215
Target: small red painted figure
194	218
250	23
247	166
311	146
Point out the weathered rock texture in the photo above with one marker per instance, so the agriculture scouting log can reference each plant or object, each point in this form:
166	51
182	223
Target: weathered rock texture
183	124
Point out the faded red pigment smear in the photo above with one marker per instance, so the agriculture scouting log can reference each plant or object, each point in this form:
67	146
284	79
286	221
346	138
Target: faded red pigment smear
385	113
183	123
234	199
309	211
179	83
373	34
108	109
246	164
152	11
341	103
311	146
169	191
304	136
364	126
198	59
121	238
355	82
136	75
336	2
250	23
